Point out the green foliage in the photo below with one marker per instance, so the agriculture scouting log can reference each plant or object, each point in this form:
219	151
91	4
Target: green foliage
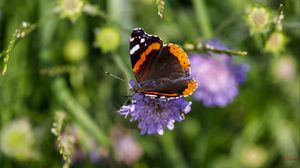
52	58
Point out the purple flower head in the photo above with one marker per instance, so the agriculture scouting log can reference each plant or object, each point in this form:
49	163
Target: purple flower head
217	75
126	147
155	114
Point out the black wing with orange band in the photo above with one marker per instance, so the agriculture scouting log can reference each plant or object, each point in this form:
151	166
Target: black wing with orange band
142	46
160	70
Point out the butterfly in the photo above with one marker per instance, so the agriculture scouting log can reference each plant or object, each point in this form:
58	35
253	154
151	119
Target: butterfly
160	69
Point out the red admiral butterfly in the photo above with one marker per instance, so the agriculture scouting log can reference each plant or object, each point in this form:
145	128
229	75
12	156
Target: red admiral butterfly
160	69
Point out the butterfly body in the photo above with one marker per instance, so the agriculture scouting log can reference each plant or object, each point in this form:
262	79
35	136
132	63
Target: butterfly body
160	69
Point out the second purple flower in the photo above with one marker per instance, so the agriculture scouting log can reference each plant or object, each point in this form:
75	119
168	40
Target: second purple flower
217	75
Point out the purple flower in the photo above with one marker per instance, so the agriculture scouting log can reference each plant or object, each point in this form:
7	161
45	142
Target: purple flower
126	147
155	114
217	76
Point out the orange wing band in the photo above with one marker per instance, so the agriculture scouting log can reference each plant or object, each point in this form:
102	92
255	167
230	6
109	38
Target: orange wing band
176	51
137	66
192	86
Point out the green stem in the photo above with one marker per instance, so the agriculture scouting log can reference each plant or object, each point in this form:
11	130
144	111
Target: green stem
64	97
169	145
229	52
17	36
258	41
202	18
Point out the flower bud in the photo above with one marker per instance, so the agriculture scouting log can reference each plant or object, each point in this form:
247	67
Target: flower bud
276	42
75	50
107	39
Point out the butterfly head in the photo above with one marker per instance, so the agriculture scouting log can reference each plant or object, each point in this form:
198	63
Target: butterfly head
134	87
137	32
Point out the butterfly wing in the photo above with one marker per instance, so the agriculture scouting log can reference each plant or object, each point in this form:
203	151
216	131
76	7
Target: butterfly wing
168	73
160	70
143	47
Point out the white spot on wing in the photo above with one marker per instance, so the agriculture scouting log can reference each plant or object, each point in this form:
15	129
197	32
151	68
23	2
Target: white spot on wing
131	39
142	40
172	98
151	96
134	49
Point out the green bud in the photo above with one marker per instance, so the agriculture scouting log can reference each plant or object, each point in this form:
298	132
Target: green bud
276	42
108	39
75	50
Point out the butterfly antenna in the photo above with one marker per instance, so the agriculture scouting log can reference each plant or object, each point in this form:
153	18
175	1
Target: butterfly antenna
114	76
127	98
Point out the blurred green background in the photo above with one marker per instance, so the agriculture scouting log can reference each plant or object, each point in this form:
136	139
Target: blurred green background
56	71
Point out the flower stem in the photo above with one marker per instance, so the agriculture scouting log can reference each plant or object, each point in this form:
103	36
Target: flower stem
75	110
202	18
169	145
